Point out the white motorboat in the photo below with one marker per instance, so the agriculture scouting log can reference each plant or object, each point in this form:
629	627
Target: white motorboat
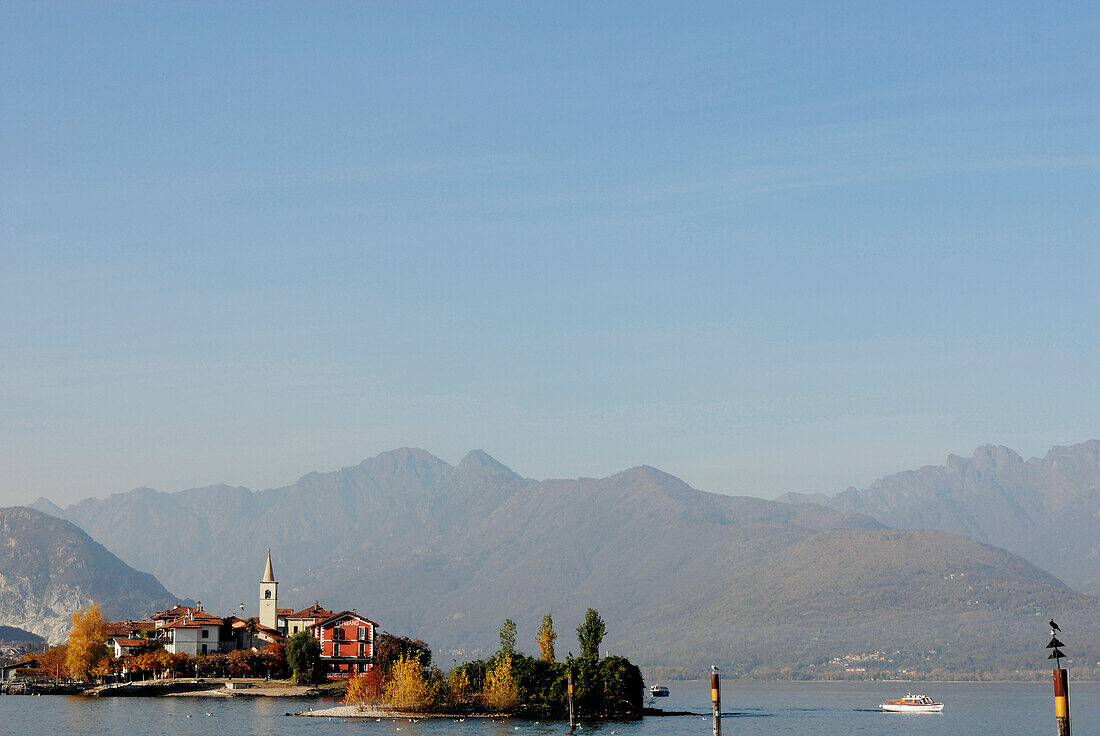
911	704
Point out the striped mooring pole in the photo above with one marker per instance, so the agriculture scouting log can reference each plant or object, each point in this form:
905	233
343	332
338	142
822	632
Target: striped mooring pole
572	717
1061	700
1061	682
716	700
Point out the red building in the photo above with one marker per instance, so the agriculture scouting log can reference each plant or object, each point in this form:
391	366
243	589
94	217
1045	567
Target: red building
347	644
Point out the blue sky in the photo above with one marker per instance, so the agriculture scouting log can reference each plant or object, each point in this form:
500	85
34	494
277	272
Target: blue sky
762	246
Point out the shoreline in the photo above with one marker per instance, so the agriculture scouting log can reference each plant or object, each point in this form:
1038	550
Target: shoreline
182	687
354	711
287	691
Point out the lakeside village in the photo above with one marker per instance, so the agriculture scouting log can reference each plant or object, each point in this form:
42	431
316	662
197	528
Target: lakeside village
315	651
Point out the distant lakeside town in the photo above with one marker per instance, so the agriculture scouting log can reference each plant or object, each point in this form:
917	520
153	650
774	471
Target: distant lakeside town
188	640
315	651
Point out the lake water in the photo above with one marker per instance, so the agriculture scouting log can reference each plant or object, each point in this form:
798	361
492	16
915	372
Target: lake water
751	708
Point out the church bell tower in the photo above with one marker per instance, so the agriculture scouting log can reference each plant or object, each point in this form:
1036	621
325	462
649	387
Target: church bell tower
269	597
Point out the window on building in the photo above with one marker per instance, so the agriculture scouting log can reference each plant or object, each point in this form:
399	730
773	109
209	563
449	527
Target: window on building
295	630
267	594
337	634
206	633
362	632
204	649
362	649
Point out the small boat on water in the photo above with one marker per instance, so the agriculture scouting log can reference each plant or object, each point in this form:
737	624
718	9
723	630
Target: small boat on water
659	691
911	704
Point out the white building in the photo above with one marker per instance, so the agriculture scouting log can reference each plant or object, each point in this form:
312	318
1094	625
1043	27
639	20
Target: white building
196	632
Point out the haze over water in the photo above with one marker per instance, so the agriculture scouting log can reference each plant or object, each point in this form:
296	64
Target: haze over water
751	708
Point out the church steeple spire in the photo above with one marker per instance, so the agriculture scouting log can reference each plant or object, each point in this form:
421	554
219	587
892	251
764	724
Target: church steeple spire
269	574
269	597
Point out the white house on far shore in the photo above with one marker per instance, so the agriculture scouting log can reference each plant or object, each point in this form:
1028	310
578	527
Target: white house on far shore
189	630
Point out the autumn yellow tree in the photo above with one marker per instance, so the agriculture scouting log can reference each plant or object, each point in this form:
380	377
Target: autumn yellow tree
54	662
406	688
103	668
365	689
546	637
87	642
500	693
458	686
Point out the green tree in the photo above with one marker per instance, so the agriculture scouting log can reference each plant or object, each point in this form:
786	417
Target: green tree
392	648
303	656
622	687
251	626
590	634
546	638
508	637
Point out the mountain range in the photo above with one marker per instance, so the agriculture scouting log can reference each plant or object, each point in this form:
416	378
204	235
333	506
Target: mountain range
49	569
682	576
1046	510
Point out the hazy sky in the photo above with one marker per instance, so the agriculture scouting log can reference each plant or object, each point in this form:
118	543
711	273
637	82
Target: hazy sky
761	246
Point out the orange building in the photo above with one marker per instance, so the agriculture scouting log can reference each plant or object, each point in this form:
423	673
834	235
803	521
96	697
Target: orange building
347	644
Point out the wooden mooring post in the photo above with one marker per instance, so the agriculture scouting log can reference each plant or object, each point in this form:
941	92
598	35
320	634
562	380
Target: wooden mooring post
1061	681
716	700
572	714
1061	700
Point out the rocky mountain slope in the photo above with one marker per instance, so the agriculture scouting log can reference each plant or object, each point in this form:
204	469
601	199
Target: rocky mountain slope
49	569
682	576
1047	510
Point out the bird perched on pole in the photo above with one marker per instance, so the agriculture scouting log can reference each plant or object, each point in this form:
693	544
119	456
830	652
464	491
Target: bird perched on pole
1054	626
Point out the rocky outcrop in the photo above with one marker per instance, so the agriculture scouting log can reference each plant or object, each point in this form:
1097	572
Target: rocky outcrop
50	569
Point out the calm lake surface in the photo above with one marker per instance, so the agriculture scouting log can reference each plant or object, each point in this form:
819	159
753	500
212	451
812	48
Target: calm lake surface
750	708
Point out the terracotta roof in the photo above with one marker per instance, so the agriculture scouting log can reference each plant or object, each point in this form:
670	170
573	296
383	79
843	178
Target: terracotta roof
121	628
184	611
344	614
200	618
132	642
283	611
204	617
314	611
238	624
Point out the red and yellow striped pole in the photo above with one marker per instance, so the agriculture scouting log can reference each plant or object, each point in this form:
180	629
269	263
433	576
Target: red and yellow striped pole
716	700
1061	700
572	717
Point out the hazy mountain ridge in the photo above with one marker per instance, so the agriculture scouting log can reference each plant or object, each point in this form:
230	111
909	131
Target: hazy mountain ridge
217	531
49	569
1046	510
15	634
682	576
